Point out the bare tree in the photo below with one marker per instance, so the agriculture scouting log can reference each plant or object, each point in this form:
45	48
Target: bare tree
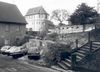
45	29
60	15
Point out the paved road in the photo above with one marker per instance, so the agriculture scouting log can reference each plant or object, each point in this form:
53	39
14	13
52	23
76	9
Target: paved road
7	64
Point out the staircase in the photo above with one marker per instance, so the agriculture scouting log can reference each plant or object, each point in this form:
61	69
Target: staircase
81	53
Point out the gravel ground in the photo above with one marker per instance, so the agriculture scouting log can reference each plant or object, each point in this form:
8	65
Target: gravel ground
7	64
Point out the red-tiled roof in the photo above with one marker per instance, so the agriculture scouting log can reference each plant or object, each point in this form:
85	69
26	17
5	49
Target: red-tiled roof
36	10
9	13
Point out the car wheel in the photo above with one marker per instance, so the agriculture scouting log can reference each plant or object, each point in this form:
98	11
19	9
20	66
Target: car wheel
24	53
8	54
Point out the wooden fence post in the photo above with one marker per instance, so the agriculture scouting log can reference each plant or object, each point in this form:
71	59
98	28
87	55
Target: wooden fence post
76	43
90	46
89	37
73	59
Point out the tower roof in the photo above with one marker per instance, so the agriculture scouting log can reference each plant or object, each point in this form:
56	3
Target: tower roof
36	10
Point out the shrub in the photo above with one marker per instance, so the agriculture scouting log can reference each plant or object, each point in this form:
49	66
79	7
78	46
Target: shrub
53	53
20	41
52	36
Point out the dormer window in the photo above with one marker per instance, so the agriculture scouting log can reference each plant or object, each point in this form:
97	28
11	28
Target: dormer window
62	27
71	27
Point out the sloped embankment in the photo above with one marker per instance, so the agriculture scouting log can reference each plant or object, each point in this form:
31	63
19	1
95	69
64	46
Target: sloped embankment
71	38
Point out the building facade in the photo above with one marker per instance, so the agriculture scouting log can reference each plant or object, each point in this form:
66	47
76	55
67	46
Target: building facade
35	18
12	24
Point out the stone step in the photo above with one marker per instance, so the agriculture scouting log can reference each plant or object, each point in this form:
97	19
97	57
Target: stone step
96	43
78	58
85	49
80	54
82	51
94	46
68	60
62	65
86	46
67	64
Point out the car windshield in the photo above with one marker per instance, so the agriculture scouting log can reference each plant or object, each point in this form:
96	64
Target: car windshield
13	47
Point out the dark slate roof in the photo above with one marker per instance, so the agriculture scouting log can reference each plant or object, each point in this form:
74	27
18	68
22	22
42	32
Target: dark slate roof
9	13
36	10
49	24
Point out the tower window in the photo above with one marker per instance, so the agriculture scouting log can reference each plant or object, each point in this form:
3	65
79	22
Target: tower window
67	28
77	27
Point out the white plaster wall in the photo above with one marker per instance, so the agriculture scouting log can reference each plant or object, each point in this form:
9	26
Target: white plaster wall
35	21
74	28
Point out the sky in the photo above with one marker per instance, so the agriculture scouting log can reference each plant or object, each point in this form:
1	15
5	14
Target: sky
50	5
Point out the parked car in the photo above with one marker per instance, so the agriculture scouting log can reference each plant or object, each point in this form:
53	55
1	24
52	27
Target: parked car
34	48
4	48
16	51
33	51
8	50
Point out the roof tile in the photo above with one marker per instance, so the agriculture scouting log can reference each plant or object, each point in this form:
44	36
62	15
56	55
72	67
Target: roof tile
10	13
